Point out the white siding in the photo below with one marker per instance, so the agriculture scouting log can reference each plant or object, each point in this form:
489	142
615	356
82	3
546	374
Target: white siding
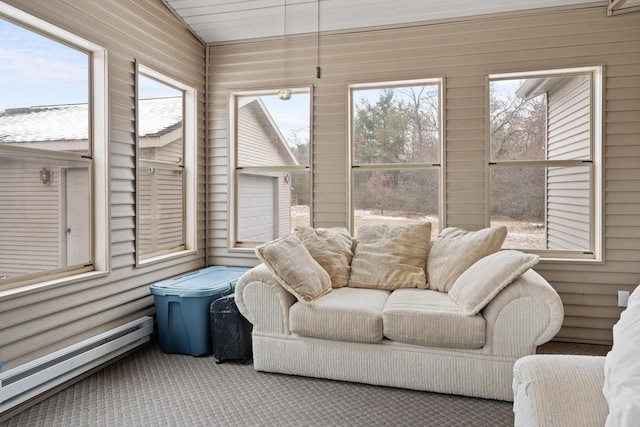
30	229
260	146
37	323
161	198
465	52
568	138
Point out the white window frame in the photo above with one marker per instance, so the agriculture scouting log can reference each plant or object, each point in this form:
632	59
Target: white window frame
188	168
98	159
439	165
248	247
595	253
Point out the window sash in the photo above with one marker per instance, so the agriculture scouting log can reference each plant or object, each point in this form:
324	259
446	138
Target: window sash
595	92
183	166
354	166
236	168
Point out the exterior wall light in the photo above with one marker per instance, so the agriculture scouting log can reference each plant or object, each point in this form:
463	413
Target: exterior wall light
45	175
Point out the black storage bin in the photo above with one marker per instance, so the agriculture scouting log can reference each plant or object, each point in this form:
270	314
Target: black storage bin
230	331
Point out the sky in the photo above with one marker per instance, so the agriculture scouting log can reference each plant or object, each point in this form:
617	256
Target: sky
289	115
35	70
150	88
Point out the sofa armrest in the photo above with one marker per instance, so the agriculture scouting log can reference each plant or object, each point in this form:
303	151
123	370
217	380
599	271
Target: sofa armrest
524	315
559	390
263	301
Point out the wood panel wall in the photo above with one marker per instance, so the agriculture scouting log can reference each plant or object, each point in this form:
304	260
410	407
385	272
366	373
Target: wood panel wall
464	52
33	324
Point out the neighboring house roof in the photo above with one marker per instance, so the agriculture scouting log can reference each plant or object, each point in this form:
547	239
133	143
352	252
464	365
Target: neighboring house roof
155	114
260	112
69	122
45	123
531	88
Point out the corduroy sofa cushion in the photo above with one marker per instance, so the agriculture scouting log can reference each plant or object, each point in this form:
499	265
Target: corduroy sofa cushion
455	250
430	318
345	314
331	248
391	256
477	286
294	268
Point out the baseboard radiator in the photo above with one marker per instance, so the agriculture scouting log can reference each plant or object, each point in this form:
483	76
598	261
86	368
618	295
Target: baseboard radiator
27	381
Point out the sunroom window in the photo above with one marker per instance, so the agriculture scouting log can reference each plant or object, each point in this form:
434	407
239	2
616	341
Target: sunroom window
166	130
396	139
52	125
271	162
544	166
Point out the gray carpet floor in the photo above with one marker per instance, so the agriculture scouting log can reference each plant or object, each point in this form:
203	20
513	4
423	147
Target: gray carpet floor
150	388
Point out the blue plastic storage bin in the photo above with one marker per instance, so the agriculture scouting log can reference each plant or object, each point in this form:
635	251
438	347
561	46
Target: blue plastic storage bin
182	308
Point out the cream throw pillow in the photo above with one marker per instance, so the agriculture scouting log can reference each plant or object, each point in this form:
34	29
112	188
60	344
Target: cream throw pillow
331	248
456	249
477	286
295	269
390	256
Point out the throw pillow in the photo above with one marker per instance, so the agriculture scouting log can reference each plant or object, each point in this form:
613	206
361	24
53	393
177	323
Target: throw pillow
622	367
477	286
294	268
390	256
331	248
456	249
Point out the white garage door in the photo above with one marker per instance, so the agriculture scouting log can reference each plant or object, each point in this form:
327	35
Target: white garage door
257	202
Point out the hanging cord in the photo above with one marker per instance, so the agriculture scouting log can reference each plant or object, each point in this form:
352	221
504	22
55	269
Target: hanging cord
285	45
318	44
284	94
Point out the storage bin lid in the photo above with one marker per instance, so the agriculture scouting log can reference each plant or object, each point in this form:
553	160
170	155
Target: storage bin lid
201	283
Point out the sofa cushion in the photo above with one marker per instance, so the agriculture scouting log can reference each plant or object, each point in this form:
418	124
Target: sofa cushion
294	268
430	318
345	314
622	367
477	286
390	256
455	250
331	248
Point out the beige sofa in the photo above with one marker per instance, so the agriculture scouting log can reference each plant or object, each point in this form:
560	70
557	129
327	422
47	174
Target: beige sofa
583	391
410	338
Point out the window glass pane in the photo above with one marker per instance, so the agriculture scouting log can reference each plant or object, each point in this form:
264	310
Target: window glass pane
396	197
272	132
161	209
543	208
45	215
545	118
160	121
271	205
44	92
396	125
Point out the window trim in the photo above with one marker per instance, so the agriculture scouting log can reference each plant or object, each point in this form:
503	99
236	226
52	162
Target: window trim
441	165
189	168
596	226
233	244
98	154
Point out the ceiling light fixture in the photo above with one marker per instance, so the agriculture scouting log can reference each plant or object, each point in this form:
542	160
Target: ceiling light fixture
284	94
